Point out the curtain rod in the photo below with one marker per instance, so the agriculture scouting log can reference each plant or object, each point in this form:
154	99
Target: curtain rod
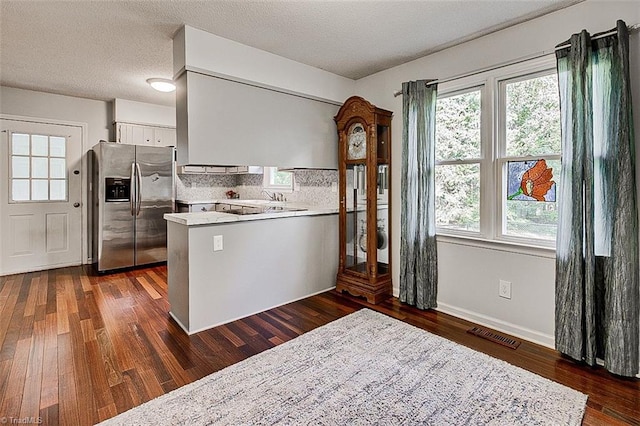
631	28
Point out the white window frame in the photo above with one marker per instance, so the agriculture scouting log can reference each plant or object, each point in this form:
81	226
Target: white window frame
481	161
502	159
30	179
267	181
493	155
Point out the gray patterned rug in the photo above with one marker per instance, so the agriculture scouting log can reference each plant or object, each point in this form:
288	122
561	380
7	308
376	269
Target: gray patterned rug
366	368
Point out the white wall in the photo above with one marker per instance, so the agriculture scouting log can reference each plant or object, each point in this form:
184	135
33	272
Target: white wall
125	111
468	276
95	114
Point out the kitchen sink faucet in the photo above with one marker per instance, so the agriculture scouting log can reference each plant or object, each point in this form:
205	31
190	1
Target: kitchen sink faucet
276	196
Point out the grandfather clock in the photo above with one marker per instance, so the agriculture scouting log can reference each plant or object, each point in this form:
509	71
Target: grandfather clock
364	138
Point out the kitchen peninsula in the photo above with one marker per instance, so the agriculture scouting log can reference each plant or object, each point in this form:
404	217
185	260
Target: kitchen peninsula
223	266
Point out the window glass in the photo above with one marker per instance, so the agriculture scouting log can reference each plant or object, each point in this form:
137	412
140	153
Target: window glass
533	116
281	178
19	167
39	189
58	167
498	154
458	152
528	217
39	145
38	169
458	197
277	180
57	146
20	189
458	126
532	133
20	144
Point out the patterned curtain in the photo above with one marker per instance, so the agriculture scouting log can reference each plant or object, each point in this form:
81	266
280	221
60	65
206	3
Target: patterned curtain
418	257
597	292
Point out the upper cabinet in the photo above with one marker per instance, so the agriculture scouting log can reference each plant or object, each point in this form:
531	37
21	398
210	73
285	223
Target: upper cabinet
225	122
139	123
135	134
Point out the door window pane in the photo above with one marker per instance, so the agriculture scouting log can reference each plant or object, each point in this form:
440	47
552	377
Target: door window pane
39	145
58	190
58	168
40	167
20	189
57	147
458	197
20	167
39	189
20	144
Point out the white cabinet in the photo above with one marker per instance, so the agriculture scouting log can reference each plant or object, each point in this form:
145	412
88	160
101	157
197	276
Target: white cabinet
240	290
194	208
221	170
164	136
135	134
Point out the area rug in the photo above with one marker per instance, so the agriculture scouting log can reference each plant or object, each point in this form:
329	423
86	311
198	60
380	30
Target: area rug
365	368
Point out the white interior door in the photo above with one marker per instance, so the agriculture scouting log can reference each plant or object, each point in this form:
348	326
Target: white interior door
40	196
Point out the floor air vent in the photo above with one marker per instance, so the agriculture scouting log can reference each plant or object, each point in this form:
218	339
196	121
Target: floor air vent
494	337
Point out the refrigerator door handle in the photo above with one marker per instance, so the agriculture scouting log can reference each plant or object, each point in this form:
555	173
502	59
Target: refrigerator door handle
138	189
131	193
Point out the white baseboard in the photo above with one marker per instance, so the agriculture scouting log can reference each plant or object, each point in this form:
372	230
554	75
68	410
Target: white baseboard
175	318
39	268
500	325
249	314
506	327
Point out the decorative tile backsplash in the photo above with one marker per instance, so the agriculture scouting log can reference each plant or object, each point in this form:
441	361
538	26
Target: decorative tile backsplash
201	187
315	187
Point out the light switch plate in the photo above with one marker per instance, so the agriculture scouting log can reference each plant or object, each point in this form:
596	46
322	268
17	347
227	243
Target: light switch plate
217	242
334	187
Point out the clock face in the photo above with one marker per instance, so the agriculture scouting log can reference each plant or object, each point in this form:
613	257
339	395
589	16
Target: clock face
357	142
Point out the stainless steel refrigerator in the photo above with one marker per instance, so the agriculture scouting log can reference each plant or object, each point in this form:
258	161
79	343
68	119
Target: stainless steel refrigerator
133	188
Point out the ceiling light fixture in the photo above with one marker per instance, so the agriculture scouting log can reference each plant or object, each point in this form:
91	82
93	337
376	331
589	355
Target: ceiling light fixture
162	84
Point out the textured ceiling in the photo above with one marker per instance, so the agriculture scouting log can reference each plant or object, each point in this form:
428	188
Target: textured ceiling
107	49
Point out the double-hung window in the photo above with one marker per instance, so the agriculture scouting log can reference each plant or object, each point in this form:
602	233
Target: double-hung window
498	155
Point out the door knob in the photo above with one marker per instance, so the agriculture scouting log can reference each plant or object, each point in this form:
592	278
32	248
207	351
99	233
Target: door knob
76	205
76	172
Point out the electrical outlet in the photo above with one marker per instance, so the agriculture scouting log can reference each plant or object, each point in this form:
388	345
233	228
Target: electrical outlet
334	187
217	242
505	289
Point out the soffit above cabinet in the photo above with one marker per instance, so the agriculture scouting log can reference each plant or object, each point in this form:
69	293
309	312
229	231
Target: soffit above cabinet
225	122
125	111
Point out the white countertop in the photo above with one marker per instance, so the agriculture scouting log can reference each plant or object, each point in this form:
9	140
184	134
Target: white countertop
205	218
199	201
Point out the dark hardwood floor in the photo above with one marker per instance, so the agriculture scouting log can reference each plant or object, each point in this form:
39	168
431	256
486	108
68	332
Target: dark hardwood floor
77	348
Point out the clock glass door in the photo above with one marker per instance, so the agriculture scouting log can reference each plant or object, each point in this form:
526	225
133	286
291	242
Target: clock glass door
356	218
382	218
